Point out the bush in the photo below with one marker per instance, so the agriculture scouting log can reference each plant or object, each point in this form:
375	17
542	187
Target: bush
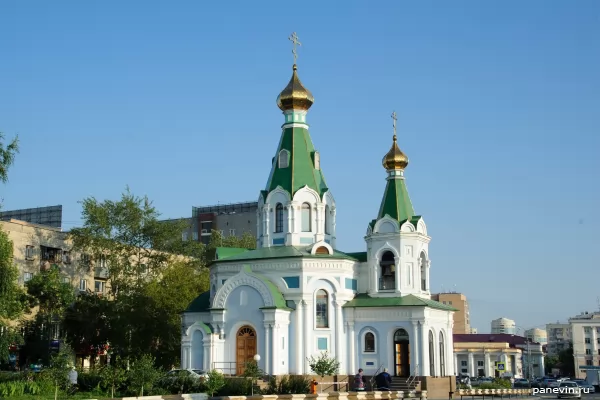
289	384
180	384
236	387
89	381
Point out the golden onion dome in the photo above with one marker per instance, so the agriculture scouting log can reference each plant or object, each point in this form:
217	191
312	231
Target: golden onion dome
295	96
395	159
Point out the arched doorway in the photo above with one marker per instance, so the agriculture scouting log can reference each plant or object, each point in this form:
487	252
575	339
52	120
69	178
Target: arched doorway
401	353
245	347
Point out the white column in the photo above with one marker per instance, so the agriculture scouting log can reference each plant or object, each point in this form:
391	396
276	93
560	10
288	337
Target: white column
185	356
267	348
275	349
471	364
298	336
399	276
319	210
339	336
414	341
332	231
486	363
206	355
352	350
455	363
266	227
305	338
290	213
425	348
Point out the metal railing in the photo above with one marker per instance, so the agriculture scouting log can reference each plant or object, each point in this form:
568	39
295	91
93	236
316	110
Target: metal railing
374	376
413	376
226	367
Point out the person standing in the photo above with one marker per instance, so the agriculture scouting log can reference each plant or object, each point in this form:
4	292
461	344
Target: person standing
383	380
72	380
359	381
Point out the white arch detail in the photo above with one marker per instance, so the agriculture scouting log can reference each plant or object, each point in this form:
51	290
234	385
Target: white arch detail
244	278
306	189
386	219
386	247
277	191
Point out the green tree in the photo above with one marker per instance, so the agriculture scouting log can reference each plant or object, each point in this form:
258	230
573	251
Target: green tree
214	382
112	377
7	156
13	300
48	292
143	375
550	362
246	241
324	365
566	362
253	372
61	364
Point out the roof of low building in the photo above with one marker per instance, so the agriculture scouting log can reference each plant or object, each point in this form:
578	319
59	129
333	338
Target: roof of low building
364	300
512	340
224	254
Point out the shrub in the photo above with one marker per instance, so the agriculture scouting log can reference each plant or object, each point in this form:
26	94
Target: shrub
143	375
289	384
235	387
89	380
180	384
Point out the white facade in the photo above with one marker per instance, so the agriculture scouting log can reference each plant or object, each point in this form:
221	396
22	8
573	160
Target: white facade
504	325
480	359
585	336
296	296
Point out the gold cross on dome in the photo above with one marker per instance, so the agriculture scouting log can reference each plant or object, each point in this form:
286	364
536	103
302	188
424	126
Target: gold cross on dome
294	39
395	118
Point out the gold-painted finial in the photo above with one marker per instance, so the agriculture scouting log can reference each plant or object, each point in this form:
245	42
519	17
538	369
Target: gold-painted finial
296	42
395	159
295	96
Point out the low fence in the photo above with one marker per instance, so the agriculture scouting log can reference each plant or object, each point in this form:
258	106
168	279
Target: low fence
493	392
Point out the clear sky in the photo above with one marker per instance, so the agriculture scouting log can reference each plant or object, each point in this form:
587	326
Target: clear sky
497	101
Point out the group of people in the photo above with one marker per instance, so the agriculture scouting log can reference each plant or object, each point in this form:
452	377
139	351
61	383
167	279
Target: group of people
383	380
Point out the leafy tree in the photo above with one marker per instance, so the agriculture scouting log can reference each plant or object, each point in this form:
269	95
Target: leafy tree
566	362
143	374
128	235
324	365
112	376
252	371
12	297
50	293
7	156
214	382
61	364
246	241
550	362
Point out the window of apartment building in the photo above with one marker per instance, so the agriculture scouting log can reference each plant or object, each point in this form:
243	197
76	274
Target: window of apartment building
480	363
102	263
588	351
99	286
84	259
144	268
587	329
450	303
82	285
589	362
29	252
222	232
463	371
184	236
588	340
27	276
598	329
598	340
232	232
66	279
206	226
51	254
66	257
599	352
463	363
195	235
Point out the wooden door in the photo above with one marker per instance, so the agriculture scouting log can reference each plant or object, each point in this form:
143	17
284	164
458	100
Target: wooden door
401	359
245	347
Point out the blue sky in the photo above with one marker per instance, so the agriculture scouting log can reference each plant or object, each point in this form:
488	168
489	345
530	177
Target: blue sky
497	101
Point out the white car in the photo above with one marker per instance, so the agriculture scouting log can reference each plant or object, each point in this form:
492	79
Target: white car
192	373
568	389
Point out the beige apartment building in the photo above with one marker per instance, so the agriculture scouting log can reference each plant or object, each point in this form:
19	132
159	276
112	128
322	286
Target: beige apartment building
462	320
37	248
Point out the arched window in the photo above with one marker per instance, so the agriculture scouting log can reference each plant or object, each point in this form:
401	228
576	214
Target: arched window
327	219
431	355
322	309
306	217
423	263
442	356
279	218
369	342
387	280
284	159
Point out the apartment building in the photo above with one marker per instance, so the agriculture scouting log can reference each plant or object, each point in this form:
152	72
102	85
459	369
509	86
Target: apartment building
504	325
585	335
462	321
559	338
537	335
48	216
37	248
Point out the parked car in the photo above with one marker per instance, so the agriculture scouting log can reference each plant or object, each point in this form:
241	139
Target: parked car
570	389
192	373
521	383
585	386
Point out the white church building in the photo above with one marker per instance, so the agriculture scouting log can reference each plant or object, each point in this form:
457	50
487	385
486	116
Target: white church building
296	295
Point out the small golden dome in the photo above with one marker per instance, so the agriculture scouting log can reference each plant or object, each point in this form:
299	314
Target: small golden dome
395	158
295	96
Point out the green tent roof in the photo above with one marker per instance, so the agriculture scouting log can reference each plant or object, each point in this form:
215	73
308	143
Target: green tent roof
396	202
200	303
364	300
301	169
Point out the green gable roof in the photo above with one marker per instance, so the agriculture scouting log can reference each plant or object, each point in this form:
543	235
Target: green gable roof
224	252
396	202
364	300
200	303
301	169
285	252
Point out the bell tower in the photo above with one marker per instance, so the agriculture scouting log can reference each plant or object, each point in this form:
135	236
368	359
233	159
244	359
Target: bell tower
296	208
397	241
